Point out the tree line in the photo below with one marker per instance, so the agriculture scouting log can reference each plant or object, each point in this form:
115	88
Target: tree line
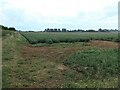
62	30
7	28
78	30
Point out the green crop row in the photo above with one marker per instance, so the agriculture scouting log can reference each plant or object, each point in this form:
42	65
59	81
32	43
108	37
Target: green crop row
55	37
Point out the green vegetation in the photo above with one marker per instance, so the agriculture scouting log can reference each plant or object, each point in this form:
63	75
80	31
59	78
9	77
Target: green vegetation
7	28
94	62
6	32
56	37
52	62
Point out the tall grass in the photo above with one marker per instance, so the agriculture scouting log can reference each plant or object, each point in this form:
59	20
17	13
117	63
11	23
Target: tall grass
6	32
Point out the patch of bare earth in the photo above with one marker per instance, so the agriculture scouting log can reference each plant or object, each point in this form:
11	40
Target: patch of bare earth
104	44
49	53
49	76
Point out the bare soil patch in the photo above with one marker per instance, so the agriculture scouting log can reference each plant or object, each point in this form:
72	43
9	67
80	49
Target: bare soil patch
104	44
46	52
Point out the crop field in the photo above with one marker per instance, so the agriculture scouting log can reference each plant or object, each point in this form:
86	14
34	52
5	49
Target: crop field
60	60
56	37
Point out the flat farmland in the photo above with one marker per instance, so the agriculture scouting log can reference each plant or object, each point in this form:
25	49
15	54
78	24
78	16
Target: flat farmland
60	60
56	37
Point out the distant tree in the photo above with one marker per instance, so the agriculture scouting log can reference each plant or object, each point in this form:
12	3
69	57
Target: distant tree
58	29
51	30
67	30
12	29
106	30
31	31
3	27
55	29
80	30
47	29
64	30
90	30
100	30
116	30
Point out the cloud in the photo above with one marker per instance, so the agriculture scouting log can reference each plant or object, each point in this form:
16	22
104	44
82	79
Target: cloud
72	14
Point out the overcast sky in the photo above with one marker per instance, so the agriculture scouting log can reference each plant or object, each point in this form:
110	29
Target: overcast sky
70	14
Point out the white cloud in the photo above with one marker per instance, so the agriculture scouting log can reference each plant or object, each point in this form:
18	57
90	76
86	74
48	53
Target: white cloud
58	12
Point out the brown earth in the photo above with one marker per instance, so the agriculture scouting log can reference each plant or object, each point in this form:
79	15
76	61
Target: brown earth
46	52
52	57
59	53
104	44
56	56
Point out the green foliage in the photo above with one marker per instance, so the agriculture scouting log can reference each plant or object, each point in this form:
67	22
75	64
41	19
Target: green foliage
4	27
94	62
6	32
57	37
7	28
12	29
49	41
